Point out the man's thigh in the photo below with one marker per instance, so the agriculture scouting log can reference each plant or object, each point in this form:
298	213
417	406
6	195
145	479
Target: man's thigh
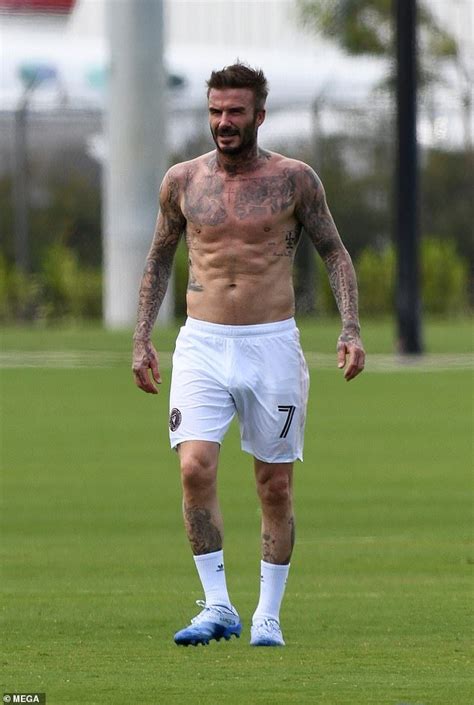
272	399
201	407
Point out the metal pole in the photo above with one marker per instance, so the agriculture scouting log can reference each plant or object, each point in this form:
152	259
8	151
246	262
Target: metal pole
20	187
137	156
407	229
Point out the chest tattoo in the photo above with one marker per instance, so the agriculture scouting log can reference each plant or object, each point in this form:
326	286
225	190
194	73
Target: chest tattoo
288	247
204	201
209	201
264	196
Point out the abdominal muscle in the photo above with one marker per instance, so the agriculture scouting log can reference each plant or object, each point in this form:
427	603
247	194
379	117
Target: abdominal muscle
241	291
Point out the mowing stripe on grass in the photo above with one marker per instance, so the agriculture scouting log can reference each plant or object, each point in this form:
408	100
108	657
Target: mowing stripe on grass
72	359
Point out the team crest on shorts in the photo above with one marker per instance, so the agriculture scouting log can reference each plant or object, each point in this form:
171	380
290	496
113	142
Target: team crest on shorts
175	419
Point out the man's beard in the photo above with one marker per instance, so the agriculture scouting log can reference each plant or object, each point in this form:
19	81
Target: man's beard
248	138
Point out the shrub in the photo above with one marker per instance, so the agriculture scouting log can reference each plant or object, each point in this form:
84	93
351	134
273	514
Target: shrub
59	275
376	277
20	293
444	277
68	289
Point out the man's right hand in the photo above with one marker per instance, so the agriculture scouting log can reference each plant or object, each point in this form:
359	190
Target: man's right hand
145	358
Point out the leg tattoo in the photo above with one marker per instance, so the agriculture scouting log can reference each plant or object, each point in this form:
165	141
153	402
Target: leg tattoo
272	551
203	535
268	548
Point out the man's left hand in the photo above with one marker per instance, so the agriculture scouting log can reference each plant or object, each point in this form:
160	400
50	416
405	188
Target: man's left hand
350	345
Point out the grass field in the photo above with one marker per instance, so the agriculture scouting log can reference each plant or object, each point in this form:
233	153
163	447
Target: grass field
97	574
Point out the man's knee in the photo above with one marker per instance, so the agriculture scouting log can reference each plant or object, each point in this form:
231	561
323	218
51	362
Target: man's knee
274	489
198	470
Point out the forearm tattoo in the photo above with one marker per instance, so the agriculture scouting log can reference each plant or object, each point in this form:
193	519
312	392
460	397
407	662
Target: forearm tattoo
169	226
344	285
203	535
313	213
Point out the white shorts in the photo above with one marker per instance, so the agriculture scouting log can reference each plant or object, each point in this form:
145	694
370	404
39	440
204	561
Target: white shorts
257	371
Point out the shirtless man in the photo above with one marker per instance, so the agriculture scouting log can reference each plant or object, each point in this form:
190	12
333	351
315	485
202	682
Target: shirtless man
242	210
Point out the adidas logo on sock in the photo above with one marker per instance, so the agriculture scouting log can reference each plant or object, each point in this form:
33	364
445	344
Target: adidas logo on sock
220	568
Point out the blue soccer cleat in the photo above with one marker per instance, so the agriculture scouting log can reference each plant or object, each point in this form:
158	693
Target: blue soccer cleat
214	622
266	632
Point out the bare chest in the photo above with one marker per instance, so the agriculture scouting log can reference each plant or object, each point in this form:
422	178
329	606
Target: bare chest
239	202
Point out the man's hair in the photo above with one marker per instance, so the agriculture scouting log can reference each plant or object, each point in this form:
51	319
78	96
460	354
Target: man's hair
240	75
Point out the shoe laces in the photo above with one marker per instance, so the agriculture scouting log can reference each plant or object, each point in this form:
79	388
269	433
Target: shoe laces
267	624
204	615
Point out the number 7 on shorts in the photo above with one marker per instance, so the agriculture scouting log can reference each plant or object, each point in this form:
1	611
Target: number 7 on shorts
290	410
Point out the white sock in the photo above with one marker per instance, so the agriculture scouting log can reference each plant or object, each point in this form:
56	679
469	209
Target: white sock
210	567
272	588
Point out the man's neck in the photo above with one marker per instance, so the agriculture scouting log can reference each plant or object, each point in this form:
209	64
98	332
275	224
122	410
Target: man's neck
242	163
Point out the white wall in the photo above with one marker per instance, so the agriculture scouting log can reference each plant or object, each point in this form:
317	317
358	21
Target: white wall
266	24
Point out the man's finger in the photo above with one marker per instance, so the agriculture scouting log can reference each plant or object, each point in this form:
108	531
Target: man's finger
352	365
356	364
155	370
142	380
341	355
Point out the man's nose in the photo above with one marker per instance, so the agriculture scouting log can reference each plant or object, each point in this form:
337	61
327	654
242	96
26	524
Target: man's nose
225	119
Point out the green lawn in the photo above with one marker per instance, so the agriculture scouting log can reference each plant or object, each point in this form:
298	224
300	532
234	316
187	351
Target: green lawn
97	574
455	335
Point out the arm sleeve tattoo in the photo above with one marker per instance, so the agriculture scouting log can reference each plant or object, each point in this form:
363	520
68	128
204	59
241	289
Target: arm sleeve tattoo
169	226
313	213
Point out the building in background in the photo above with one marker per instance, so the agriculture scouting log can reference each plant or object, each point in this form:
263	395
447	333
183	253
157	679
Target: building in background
303	70
316	91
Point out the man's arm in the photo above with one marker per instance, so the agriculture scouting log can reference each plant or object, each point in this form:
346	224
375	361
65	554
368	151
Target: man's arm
169	226
313	213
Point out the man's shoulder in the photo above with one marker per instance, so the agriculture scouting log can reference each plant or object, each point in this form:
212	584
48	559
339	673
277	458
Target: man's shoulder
287	165
183	170
305	183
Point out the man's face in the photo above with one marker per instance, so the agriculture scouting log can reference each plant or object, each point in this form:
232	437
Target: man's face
233	120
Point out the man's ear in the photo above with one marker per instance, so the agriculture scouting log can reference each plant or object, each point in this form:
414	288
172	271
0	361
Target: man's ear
261	114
